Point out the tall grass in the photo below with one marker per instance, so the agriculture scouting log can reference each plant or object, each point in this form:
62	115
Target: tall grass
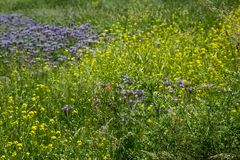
162	83
103	13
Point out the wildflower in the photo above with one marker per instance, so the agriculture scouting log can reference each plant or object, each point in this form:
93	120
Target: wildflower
149	120
32	37
67	110
235	111
138	93
42	109
14	154
124	92
79	142
150	107
168	82
50	146
53	137
106	157
127	92
127	80
42	127
3	157
96	102
183	83
51	121
19	145
24	105
108	88
9	144
34	128
34	99
190	89
10	99
32	113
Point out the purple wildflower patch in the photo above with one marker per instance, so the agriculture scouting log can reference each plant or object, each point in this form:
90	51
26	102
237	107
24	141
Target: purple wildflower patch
19	34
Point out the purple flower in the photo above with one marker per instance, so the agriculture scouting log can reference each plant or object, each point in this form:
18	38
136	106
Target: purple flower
183	84
127	80
127	92
96	102
167	81
190	89
23	34
138	93
67	110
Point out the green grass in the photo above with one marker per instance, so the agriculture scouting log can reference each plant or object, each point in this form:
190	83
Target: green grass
148	41
102	13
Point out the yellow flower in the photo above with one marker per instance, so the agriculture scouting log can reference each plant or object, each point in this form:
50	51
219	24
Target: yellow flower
50	146
234	111
32	113
198	61
79	142
42	109
214	45
42	127
150	107
34	99
14	154
34	128
42	146
19	145
106	157
66	51
24	112
149	120
9	144
3	157
10	99
24	105
41	85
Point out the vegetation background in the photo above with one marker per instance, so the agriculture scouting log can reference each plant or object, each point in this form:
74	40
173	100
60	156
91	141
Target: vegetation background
162	82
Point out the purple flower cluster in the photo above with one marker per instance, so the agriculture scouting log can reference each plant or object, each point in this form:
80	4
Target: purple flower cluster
21	35
133	96
182	84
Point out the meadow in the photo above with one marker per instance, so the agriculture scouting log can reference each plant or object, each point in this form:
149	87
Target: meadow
120	79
